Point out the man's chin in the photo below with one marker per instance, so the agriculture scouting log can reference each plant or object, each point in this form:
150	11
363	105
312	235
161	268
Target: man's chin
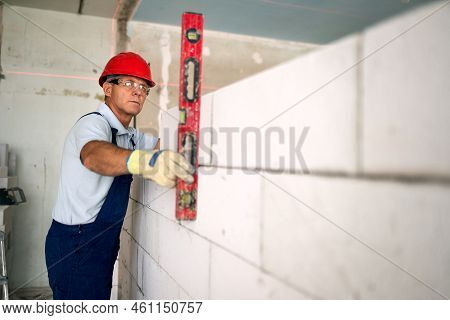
134	108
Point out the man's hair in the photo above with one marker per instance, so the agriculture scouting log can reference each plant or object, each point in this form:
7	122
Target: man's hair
111	77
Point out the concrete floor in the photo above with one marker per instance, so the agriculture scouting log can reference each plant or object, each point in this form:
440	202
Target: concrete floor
34	293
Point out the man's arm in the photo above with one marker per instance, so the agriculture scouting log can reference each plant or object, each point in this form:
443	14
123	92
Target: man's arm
163	166
157	146
104	158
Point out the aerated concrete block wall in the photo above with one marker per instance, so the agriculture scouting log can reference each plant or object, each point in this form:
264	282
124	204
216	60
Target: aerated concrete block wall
361	213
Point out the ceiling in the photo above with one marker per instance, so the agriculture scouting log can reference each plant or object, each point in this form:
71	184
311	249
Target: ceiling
100	8
313	21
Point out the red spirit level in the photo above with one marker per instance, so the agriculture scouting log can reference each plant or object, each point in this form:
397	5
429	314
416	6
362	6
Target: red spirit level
188	127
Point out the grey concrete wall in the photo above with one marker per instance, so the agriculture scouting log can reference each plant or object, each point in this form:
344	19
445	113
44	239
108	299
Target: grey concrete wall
370	220
51	61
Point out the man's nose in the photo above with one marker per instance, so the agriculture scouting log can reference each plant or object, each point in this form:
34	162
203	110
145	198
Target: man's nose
137	92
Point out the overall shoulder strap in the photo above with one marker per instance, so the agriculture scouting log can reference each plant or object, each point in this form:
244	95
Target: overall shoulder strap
95	112
113	130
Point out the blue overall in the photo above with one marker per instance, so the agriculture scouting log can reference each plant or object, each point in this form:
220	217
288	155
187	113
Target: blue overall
80	258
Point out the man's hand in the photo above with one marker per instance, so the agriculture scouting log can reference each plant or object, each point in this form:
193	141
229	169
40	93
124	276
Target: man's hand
163	166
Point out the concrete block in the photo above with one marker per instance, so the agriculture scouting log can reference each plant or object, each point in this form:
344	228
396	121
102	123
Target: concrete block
316	98
185	256
160	199
140	266
141	183
115	278
140	295
406	114
134	260
115	292
125	249
138	231
233	278
128	221
229	210
136	293
124	283
150	240
157	284
184	295
405	223
137	192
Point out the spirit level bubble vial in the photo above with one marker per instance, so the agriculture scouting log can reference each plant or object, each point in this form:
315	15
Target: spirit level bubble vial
189	104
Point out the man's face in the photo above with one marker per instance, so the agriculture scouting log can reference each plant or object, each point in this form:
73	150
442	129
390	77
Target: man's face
126	100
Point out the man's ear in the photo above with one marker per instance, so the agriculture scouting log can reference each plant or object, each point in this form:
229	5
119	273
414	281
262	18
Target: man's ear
107	88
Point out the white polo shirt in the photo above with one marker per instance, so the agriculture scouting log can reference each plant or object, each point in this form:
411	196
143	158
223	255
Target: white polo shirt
81	191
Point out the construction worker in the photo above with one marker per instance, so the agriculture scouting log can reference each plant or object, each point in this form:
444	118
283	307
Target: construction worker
100	155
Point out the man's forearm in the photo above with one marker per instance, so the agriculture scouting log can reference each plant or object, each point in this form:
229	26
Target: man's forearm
104	158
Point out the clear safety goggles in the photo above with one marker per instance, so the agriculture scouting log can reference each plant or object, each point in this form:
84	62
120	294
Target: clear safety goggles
131	85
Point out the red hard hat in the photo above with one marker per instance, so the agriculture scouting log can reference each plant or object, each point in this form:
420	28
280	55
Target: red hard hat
130	64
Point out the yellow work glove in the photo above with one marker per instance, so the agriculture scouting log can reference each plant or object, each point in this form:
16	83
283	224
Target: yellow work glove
163	166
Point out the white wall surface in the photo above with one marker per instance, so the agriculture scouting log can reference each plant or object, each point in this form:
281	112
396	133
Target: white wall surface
371	219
